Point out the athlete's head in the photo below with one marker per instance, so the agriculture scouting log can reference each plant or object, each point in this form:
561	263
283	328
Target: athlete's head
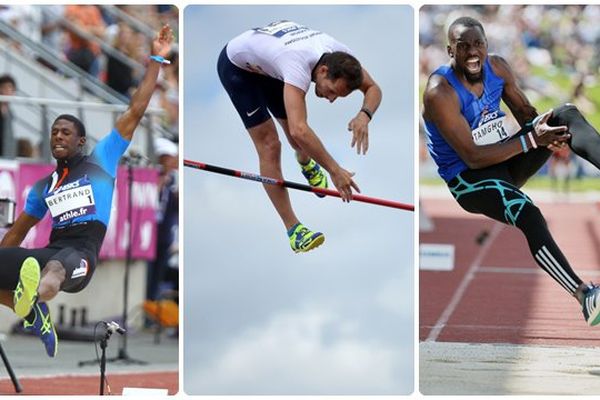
67	137
467	47
336	75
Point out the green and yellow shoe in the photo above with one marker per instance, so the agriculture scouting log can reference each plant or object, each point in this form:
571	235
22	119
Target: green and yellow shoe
315	175
25	293
302	239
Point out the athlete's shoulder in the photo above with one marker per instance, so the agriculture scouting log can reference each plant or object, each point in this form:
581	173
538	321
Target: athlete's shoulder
438	96
41	183
113	138
437	85
500	66
109	150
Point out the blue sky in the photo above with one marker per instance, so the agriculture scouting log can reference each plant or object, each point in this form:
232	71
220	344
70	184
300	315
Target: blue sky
259	319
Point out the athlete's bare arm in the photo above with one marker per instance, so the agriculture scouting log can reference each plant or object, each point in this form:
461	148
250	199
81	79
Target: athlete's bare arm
128	122
513	95
518	103
16	234
441	106
359	124
305	137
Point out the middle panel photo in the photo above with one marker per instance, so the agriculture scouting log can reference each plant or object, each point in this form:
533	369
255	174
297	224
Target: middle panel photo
299	168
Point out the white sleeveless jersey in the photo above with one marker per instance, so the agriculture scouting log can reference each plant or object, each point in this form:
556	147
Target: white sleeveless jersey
283	50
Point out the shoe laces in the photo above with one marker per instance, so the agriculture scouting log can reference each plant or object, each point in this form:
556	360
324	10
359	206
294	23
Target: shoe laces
311	169
592	286
46	323
312	174
301	232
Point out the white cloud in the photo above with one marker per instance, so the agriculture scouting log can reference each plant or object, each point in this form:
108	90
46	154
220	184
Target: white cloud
290	350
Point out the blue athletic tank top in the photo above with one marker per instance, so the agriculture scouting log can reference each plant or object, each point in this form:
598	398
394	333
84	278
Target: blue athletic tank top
483	115
80	191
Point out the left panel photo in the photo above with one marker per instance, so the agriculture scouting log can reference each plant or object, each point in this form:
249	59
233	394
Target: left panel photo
89	199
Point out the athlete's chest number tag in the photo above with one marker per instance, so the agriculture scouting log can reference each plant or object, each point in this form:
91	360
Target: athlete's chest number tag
490	132
280	28
71	203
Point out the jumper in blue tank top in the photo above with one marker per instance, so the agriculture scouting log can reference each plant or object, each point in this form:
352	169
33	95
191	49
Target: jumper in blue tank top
483	115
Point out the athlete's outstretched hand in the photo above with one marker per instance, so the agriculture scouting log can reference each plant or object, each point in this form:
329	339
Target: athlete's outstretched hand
359	126
161	45
343	182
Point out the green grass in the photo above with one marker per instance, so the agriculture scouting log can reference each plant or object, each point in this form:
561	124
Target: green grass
538	182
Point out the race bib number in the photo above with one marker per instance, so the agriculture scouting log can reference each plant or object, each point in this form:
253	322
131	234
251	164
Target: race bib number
75	199
281	28
490	132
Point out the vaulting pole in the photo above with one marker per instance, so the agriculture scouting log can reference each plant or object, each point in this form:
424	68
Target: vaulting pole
294	185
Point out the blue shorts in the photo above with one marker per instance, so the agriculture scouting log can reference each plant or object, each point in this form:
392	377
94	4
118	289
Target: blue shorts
253	95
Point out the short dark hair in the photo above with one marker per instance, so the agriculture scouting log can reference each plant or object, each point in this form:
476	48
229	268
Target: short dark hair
78	124
343	65
467	22
6	78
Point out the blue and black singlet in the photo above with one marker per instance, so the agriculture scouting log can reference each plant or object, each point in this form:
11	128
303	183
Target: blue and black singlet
79	194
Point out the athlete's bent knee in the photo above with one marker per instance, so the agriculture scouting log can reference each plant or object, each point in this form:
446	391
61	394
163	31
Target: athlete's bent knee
530	218
564	114
53	275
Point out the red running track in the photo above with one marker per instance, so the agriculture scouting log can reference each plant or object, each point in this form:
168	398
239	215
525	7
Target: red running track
496	292
90	385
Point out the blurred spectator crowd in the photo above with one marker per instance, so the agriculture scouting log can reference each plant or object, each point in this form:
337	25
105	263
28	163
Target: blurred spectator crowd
108	42
552	37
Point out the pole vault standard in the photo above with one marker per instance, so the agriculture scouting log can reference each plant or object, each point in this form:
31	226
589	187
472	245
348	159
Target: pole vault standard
294	185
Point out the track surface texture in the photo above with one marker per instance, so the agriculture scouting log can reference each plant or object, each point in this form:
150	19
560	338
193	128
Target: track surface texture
497	323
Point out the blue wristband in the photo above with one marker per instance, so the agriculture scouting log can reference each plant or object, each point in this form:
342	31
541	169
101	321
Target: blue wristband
524	144
160	59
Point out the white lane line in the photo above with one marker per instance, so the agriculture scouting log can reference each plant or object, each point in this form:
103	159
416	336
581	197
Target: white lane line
527	270
462	287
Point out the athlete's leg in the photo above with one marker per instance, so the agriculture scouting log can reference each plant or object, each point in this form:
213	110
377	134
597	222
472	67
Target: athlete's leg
19	283
53	275
301	155
585	140
254	96
6	298
525	165
268	146
69	270
489	192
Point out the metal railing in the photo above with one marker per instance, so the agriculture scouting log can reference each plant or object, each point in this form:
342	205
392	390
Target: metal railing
86	81
47	116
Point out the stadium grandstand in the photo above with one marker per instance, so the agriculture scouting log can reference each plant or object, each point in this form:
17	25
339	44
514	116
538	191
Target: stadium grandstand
87	60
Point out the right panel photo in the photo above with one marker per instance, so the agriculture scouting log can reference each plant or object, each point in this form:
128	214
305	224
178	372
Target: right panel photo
509	231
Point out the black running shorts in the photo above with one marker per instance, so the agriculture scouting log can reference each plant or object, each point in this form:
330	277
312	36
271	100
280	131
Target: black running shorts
253	95
79	265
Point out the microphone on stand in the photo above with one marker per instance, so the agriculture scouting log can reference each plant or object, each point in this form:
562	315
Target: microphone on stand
113	327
